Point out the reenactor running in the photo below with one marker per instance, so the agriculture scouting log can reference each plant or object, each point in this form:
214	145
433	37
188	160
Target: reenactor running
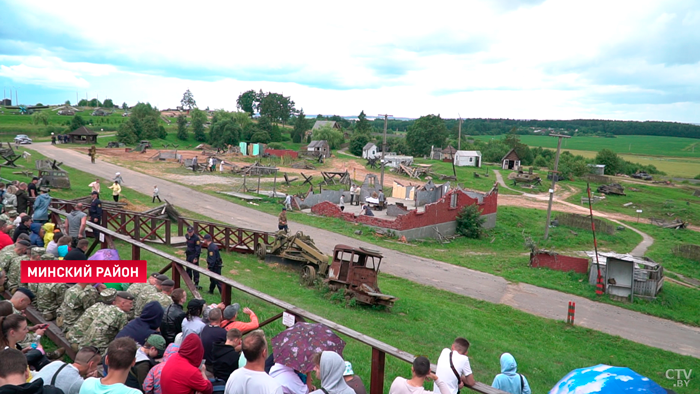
194	249
76	333
105	327
76	301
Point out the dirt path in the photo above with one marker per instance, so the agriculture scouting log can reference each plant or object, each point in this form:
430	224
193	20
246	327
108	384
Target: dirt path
635	326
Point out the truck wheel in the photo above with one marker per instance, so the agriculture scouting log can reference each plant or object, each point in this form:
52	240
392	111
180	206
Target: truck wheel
308	275
261	251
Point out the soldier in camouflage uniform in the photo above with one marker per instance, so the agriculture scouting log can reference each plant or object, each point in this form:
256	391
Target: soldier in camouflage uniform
49	296
135	289
75	301
14	267
76	333
164	288
107	325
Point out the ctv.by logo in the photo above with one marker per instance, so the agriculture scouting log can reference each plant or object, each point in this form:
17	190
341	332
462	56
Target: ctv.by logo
680	376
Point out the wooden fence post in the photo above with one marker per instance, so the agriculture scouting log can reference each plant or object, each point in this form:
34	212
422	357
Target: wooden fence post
376	385
175	273
167	231
135	252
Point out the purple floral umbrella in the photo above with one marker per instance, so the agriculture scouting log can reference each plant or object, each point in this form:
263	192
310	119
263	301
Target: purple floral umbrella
105	254
295	346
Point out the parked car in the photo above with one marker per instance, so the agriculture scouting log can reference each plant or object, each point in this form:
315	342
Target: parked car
22	139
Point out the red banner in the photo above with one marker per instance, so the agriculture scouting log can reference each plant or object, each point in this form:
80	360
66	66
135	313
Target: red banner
84	271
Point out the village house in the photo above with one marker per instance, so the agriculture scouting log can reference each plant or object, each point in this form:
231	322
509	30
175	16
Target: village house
319	148
370	151
511	161
321	123
467	158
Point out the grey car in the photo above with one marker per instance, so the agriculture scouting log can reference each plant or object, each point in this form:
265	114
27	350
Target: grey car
23	139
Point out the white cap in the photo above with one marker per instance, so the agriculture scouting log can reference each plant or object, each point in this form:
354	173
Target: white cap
119	173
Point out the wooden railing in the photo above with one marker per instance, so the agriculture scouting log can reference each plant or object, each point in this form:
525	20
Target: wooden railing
231	239
177	268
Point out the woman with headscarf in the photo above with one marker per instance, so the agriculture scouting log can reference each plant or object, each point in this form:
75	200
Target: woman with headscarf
330	368
118	178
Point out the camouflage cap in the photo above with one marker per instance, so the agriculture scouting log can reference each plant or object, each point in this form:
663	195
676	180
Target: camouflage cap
37	251
108	295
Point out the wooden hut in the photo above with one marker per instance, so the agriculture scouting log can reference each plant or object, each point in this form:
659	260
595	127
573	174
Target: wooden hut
83	135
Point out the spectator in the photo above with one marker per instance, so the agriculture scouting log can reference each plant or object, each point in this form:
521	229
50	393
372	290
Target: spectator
116	191
231	313
419	371
79	252
145	360
118	178
13	330
9	199
192	323
454	362
367	210
31	188
288	202
52	247
156	194
49	232
173	316
14	375
63	246
70	377
352	194
23	227
329	369
5	308
36	238
353	380
183	374
211	334
95	186
152	383
147	324
227	354
41	206
22	198
75	222
282	221
121	355
509	380
252	378
5	239
289	379
342	203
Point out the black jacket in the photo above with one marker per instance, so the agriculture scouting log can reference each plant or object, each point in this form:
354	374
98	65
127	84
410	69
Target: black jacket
22	201
172	322
225	360
75	254
35	387
21	229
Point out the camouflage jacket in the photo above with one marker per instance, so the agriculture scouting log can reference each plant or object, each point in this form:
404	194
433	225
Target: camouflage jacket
49	296
104	328
75	301
76	333
14	272
6	255
146	297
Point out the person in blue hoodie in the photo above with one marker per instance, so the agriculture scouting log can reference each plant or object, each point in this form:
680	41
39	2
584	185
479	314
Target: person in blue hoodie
509	380
145	325
41	207
36	238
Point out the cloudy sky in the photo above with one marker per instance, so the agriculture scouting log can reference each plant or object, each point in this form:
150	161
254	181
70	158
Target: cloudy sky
546	59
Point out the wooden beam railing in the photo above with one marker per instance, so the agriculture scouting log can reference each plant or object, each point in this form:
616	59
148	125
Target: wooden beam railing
379	349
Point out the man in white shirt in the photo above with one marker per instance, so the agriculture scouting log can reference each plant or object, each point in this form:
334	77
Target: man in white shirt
288	202
69	377
289	380
252	378
460	362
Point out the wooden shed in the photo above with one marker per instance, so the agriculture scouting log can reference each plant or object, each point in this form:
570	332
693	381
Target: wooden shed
83	135
625	275
319	148
511	161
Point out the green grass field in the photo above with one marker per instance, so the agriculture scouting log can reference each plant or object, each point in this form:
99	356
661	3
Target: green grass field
424	320
626	144
12	124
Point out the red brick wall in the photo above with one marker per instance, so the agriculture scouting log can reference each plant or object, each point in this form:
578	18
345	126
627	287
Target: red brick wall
435	213
282	152
559	262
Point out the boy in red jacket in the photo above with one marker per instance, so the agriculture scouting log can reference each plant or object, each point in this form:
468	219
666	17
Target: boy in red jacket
184	372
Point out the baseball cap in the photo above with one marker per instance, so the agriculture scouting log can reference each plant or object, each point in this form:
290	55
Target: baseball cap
195	303
125	295
284	208
190	229
231	311
156	341
96	193
207	237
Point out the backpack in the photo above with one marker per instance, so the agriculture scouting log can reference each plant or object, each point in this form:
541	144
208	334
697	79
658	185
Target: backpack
51	388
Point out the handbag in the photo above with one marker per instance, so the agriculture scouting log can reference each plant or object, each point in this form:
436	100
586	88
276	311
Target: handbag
454	370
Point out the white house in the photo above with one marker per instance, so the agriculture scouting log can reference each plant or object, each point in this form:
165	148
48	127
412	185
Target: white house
370	151
396	160
470	158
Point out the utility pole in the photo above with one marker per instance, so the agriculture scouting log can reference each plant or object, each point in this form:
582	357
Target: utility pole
459	138
381	180
555	176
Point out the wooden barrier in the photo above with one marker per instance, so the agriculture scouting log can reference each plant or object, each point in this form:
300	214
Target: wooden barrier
178	274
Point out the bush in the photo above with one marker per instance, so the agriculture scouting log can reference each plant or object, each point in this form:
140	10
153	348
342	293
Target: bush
260	136
697	176
469	222
357	143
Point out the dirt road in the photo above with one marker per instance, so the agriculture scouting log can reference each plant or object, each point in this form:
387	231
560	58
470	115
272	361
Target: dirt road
648	330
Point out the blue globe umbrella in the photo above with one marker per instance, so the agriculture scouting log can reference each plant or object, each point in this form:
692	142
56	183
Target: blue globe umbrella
606	379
